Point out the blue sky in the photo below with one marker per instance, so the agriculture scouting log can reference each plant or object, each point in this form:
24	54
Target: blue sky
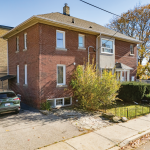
13	12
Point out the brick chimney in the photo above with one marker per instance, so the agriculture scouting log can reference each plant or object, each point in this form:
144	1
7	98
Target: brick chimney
66	10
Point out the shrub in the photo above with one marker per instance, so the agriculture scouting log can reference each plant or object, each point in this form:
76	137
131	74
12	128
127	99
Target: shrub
132	91
147	89
45	106
92	89
147	96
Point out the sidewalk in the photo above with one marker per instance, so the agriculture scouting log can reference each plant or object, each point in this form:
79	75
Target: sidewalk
111	137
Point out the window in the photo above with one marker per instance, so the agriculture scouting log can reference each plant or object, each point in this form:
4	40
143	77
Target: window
59	102
107	46
61	74
25	72
25	40
17	73
131	49
67	101
106	69
81	41
17	43
7	95
60	39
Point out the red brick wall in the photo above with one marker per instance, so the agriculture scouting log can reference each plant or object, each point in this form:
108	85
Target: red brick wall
50	57
42	58
122	55
31	58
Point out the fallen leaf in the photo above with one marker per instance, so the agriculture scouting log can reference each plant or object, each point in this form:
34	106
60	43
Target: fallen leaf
63	137
28	139
7	130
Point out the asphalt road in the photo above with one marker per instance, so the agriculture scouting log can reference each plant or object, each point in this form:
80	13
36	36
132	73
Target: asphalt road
30	130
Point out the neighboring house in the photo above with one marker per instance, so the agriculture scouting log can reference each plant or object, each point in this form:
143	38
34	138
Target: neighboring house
45	49
3	55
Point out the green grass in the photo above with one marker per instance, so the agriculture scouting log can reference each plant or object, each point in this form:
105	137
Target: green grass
128	110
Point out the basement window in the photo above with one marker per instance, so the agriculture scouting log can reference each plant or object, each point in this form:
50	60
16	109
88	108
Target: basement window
60	102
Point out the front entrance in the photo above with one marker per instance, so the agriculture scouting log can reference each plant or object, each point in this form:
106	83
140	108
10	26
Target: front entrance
123	75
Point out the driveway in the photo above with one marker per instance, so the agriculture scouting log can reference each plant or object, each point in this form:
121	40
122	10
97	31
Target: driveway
30	130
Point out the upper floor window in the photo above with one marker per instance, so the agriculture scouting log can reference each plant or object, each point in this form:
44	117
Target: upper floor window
81	40
107	46
60	39
131	49
17	43
25	40
61	74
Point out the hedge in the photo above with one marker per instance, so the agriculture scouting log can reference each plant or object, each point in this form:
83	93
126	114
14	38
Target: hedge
133	91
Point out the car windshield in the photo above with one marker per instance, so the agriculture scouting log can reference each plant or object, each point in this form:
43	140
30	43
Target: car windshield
7	95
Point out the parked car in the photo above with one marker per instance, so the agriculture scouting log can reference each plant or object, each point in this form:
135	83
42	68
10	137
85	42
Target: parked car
9	101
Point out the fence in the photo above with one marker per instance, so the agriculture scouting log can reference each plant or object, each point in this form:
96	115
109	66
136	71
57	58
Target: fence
129	112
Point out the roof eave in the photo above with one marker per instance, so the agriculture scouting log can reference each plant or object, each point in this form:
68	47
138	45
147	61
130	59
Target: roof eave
35	19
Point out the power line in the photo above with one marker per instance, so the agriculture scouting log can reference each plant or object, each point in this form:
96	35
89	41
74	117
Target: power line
103	9
107	12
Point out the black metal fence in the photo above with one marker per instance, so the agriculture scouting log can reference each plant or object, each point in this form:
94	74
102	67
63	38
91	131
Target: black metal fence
129	112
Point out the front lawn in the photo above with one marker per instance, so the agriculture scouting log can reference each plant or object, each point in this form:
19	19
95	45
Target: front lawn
128	110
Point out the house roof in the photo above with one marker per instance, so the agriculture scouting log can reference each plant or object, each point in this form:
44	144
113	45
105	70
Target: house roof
123	66
85	24
64	21
6	27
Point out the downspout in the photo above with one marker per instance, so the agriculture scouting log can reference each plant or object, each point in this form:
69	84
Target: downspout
7	65
7	60
97	48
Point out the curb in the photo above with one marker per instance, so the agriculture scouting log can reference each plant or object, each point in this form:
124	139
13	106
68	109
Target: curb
133	138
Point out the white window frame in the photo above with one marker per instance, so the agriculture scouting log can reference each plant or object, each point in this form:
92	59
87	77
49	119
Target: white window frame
130	49
17	43
63	105
64	74
25	74
17	73
64	45
25	41
81	35
105	47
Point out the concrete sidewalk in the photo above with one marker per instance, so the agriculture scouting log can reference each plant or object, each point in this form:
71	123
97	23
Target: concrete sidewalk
111	137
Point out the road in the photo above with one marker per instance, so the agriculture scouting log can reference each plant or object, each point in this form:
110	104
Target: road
30	130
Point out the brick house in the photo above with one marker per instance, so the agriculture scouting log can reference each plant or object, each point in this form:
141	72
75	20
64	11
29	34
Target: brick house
3	54
44	50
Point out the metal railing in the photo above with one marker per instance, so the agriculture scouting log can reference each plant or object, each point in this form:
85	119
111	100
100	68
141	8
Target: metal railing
128	112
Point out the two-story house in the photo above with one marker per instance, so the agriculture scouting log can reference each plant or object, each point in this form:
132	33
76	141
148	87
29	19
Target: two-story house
3	55
44	50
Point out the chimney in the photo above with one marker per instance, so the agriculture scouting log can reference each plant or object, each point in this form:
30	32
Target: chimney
66	10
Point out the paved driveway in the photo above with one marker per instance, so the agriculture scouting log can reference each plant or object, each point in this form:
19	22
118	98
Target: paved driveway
30	130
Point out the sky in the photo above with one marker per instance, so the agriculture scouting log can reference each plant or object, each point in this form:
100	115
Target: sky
14	12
